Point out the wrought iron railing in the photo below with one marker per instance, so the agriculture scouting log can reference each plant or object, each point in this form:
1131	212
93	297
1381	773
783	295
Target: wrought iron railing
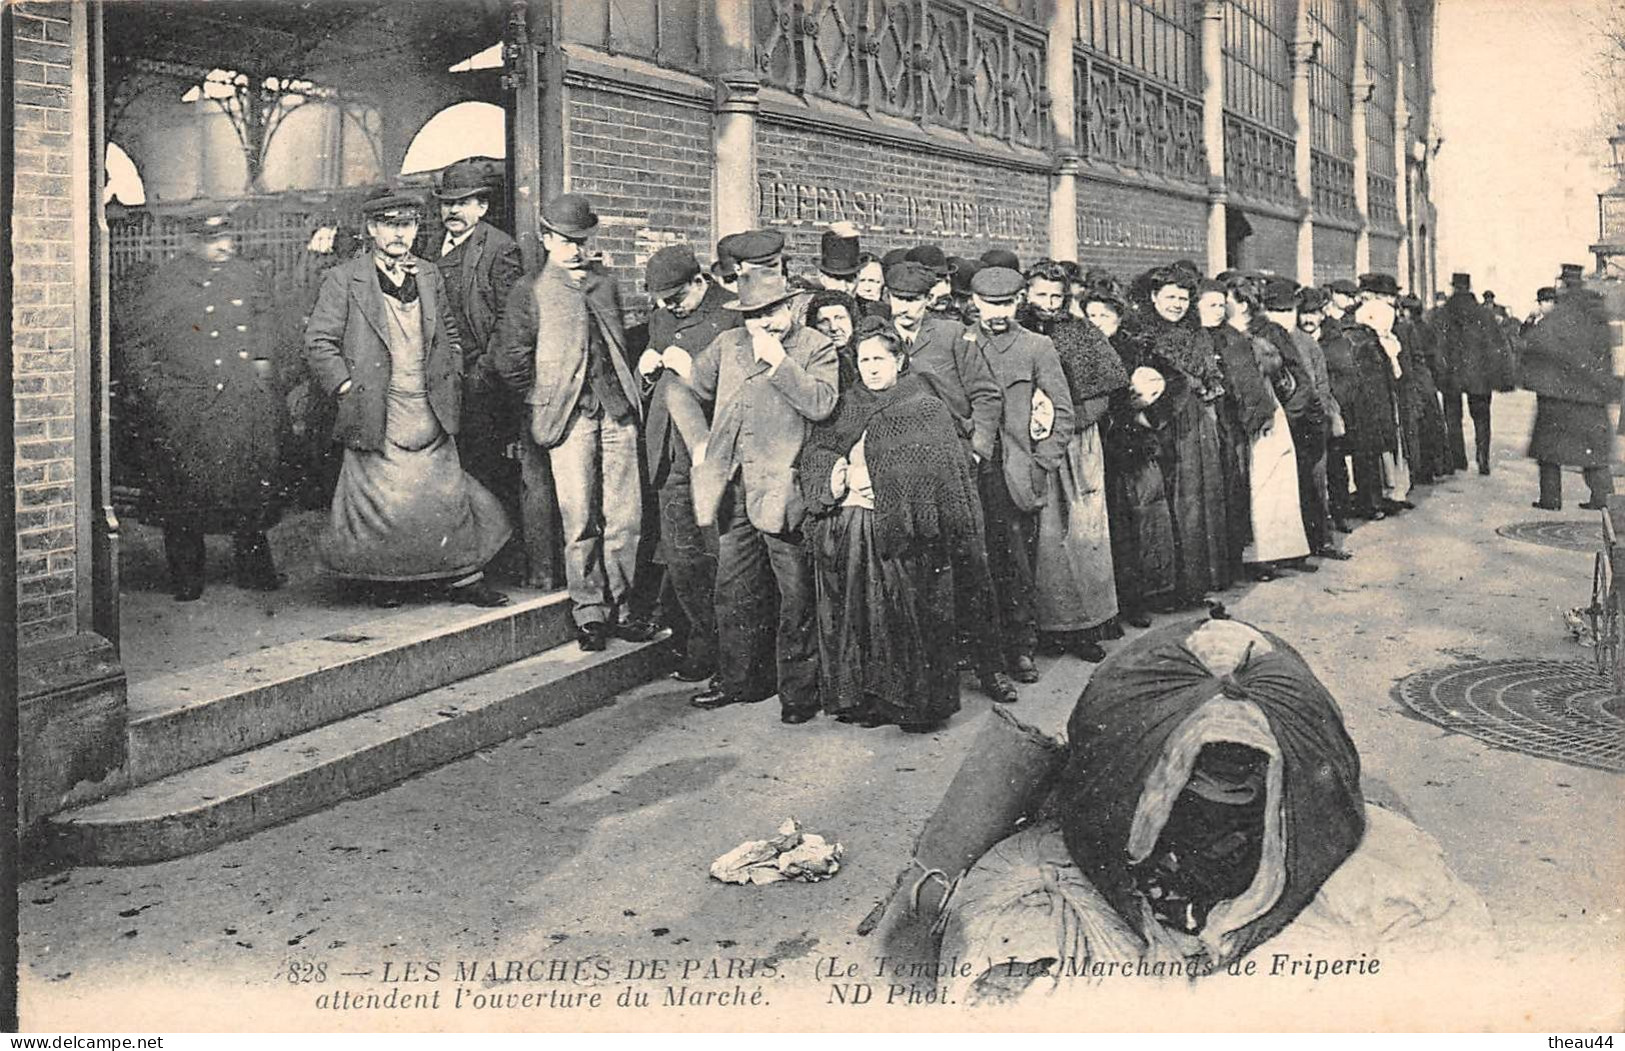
1258	161
1130	121
972	67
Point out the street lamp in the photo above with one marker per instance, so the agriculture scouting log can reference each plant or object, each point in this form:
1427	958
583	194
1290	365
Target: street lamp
1610	246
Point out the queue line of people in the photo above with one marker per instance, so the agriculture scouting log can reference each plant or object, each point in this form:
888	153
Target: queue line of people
864	480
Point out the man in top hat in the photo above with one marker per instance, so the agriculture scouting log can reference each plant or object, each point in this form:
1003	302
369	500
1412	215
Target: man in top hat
688	315
561	345
1569	364
1476	365
197	357
481	265
839	259
766	382
1014	478
381	340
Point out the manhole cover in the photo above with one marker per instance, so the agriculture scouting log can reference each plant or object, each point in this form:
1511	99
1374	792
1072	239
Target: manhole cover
1552	709
1570	536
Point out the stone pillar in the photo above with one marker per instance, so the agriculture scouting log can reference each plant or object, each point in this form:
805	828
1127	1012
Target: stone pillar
1402	175
525	162
1304	52
1358	120
1218	194
1063	184
738	101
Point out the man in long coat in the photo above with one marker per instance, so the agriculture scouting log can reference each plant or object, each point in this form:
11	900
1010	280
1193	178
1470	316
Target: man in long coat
561	345
382	342
481	264
689	314
196	352
1568	363
768	381
1476	365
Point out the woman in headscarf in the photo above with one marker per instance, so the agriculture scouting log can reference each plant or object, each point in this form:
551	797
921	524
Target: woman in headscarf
835	314
1162	338
896	518
1209	804
1245	408
1142	527
1077	599
1272	472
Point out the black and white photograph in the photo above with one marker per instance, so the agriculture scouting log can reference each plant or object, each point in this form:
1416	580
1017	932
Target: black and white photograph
813	516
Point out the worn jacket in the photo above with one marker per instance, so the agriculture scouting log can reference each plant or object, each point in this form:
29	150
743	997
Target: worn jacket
1021	360
956	369
760	419
480	274
347	339
667	431
540	347
1477	359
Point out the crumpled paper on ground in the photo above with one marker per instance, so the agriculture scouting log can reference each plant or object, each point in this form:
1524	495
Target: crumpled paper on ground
790	855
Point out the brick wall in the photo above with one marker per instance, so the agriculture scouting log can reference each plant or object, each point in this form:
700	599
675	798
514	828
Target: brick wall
898	196
42	324
1272	246
1128	230
1334	254
646	166
1385	257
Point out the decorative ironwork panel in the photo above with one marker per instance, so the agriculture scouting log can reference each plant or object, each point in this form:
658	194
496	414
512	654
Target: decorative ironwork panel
1132	122
1258	61
1332	179
1381	192
777	57
1331	78
1158	38
1258	161
1025	93
891	45
831	35
945	70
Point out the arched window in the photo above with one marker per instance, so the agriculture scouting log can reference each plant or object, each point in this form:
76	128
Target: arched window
123	180
467	129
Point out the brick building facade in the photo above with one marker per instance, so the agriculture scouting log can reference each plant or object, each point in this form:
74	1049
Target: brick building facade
1291	135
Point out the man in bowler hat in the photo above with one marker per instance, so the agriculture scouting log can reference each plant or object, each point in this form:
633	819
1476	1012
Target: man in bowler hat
561	345
481	265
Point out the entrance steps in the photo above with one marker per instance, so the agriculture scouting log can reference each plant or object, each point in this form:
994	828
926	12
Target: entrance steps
218	752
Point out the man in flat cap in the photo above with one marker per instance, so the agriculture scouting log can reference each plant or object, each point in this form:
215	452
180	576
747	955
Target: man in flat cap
687	317
1476	364
481	265
381	339
1014	478
197	357
939	301
560	344
940	354
767	381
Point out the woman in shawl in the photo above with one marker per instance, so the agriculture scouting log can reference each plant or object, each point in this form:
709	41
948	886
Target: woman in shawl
1163	339
1421	393
1209	805
835	314
1142	528
1077	598
1278	534
897	517
1245	408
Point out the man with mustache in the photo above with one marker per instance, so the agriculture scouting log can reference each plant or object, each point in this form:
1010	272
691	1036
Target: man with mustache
560	344
766	382
1014	479
381	340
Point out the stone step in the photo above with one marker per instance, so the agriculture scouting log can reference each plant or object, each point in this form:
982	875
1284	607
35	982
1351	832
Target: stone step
193	717
201	808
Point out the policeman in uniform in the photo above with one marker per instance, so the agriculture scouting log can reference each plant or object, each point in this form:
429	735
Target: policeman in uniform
198	357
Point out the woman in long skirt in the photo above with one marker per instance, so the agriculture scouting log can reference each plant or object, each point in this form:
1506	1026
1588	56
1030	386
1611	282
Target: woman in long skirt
1244	408
895	519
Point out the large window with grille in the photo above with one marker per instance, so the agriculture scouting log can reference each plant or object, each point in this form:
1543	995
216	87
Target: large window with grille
1258	61
1331	79
1155	37
1379	72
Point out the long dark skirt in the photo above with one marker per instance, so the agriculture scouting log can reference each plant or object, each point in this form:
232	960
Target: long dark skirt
886	633
1142	529
1235	456
1196	497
